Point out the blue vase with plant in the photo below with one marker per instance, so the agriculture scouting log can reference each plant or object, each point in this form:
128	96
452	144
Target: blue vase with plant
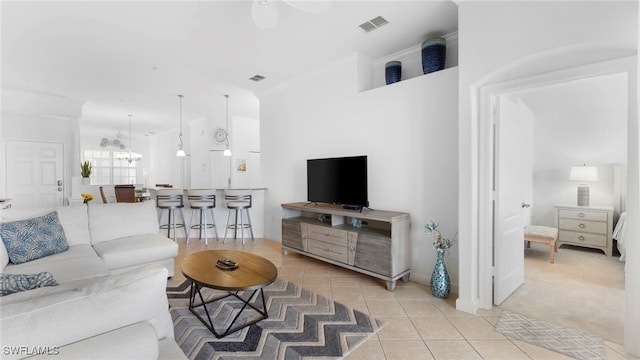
440	281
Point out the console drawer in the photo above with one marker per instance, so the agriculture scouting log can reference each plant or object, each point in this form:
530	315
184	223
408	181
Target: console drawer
328	250
327	234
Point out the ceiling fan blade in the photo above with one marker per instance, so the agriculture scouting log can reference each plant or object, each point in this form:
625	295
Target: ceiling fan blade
265	14
312	6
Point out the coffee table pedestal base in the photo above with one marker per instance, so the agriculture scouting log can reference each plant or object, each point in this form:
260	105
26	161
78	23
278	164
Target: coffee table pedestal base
208	322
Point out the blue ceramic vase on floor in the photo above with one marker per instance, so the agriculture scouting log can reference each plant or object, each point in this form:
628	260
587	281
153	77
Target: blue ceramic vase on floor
393	72
434	52
440	282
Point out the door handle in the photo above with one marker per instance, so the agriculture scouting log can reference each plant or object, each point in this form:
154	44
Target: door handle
524	205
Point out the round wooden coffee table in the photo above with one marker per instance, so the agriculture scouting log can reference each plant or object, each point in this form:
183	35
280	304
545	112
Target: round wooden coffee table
253	273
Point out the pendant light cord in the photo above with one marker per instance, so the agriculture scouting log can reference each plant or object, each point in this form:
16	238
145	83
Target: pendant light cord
181	143
227	136
130	134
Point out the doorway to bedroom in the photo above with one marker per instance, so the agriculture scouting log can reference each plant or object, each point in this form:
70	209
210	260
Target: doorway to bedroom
578	121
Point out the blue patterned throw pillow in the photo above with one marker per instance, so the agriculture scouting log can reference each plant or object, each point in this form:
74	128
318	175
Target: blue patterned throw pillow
34	238
13	283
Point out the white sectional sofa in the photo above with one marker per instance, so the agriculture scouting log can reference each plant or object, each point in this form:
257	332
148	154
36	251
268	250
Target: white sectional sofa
110	301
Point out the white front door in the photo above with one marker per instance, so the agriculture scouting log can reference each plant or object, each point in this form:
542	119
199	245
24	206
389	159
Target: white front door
35	174
513	173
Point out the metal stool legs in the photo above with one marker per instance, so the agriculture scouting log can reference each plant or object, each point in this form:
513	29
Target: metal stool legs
203	225
172	224
235	226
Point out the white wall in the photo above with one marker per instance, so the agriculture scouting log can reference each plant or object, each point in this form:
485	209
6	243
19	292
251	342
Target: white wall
243	129
29	116
245	148
498	41
165	167
407	130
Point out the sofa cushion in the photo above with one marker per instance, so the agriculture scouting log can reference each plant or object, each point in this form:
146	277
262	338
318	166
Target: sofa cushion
35	293
79	262
75	222
136	250
33	238
120	220
4	256
111	302
13	283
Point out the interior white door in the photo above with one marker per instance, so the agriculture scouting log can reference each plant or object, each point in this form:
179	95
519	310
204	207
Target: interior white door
513	169
220	170
35	174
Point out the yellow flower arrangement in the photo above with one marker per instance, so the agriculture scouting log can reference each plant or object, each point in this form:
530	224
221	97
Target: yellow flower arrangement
87	197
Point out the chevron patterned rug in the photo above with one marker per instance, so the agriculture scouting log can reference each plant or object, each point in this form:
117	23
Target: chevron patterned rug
301	324
573	343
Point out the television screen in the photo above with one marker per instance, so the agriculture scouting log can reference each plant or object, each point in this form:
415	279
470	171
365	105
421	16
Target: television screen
340	180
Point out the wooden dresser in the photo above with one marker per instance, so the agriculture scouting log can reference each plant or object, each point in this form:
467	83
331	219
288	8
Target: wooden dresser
586	226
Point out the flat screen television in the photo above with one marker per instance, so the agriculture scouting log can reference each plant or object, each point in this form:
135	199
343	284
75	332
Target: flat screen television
341	180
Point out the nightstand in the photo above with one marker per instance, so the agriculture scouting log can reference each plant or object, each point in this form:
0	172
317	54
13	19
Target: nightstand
586	226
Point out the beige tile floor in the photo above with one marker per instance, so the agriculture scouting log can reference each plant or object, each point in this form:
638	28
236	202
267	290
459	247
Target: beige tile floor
419	326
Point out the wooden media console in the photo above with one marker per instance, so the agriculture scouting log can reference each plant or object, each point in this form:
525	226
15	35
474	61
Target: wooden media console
372	242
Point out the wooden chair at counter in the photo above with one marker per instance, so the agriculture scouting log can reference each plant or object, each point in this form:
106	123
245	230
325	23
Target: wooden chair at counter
104	197
125	193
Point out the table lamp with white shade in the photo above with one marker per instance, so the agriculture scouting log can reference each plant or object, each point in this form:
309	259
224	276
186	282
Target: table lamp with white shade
583	174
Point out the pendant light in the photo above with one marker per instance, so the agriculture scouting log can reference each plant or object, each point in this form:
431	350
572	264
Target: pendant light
131	156
227	151
180	152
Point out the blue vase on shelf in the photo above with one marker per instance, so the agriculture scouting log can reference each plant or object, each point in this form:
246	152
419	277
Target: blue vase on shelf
440	282
393	72
434	53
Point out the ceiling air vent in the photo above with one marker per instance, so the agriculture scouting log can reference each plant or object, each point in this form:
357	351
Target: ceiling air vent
257	78
373	24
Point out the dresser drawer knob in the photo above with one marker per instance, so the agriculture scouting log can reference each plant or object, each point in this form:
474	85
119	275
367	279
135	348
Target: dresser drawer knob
581	238
581	226
581	215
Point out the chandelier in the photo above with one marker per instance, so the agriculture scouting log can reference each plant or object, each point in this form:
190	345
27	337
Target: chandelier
130	156
115	142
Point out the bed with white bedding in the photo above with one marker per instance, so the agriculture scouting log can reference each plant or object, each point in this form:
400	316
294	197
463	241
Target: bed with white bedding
620	235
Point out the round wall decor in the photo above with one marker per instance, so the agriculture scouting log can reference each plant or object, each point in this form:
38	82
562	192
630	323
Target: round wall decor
219	135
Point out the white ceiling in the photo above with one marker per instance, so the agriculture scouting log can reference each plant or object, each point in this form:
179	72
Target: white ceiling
124	57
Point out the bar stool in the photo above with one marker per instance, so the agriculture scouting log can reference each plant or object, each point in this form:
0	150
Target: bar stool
237	201
171	199
203	200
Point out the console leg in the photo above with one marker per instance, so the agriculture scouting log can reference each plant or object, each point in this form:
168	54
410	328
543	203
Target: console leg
285	251
405	278
391	285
